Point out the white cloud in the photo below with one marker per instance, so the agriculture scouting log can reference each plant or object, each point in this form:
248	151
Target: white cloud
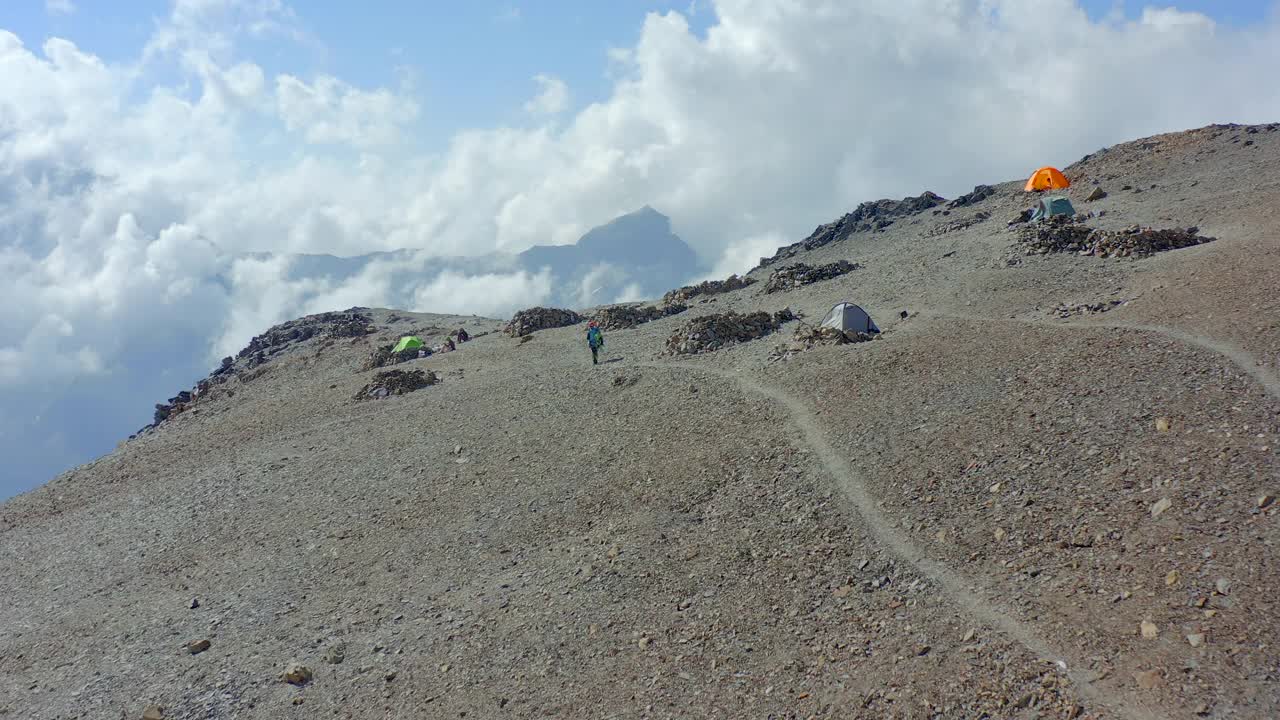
552	98
740	256
59	7
331	111
491	294
127	189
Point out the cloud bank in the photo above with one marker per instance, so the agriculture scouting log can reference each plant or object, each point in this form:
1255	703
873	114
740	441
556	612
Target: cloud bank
129	197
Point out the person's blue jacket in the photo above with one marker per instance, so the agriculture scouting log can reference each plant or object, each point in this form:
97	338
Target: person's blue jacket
595	338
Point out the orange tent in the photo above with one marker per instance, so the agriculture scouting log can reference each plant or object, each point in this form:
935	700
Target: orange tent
1047	178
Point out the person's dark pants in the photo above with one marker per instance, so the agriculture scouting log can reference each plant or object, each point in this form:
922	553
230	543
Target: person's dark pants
595	356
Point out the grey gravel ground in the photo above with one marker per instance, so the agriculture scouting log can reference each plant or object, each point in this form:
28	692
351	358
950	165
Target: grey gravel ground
990	511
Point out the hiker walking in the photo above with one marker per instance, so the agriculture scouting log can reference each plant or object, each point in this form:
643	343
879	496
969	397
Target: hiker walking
595	339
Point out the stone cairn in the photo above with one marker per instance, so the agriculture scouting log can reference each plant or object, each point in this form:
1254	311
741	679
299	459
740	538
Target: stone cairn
1062	235
800	274
534	319
714	332
396	382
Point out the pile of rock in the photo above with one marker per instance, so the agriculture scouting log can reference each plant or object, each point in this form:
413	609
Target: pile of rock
867	217
396	382
960	224
1066	310
681	296
621	317
714	332
800	274
1062	234
807	337
980	193
540	318
346	323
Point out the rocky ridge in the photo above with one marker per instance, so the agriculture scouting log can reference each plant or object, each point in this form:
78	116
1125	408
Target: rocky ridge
801	274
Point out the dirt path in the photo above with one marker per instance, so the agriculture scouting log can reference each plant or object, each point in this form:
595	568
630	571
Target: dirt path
953	586
1265	377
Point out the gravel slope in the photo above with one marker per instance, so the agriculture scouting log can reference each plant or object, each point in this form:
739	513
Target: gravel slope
990	511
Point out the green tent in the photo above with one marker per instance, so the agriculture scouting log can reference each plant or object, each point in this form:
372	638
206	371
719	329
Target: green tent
408	342
1049	207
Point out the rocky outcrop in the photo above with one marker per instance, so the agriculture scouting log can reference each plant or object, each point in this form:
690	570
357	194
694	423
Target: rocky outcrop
621	317
681	296
1062	234
713	332
980	193
867	217
396	382
343	324
540	318
351	323
800	274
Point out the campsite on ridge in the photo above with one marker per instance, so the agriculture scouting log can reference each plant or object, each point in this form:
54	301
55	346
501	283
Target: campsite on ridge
955	462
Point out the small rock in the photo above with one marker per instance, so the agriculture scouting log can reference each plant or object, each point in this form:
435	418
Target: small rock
1163	424
1160	506
1195	639
1148	679
1097	194
1266	501
614	551
644	642
968	635
195	603
444	668
1000	534
923	650
390	676
298	674
196	647
1172	578
994	488
1149	630
457	449
1223	586
153	712
336	654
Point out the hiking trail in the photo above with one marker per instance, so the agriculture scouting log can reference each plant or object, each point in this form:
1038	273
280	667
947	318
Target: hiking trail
953	586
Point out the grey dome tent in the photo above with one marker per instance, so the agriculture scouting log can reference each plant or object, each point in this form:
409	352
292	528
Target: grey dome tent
847	317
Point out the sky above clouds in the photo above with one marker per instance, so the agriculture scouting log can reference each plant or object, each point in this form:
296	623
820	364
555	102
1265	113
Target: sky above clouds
147	147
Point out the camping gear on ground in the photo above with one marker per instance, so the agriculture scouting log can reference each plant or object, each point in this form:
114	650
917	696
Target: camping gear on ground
847	317
1051	206
1047	178
408	342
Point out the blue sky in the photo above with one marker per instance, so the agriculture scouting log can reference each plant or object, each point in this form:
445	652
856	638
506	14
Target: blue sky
470	62
149	220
